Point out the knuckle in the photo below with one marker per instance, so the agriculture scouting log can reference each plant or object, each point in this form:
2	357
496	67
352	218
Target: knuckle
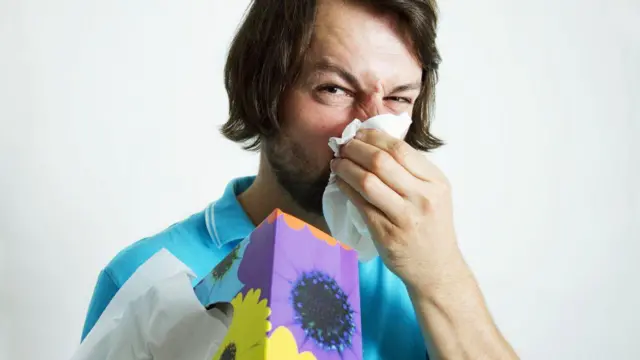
437	196
389	230
379	161
399	149
426	204
368	182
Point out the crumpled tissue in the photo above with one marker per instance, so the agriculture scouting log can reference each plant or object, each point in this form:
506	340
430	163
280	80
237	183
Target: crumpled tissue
342	217
156	316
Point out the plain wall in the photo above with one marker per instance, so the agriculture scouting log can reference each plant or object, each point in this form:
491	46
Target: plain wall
110	111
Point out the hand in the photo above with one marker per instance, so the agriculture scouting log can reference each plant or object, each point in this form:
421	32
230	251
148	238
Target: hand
406	201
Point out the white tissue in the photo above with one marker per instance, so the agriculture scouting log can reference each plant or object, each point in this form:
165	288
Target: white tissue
344	220
156	315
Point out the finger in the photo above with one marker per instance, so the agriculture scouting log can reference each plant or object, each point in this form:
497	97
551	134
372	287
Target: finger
370	187
372	215
366	208
411	159
383	165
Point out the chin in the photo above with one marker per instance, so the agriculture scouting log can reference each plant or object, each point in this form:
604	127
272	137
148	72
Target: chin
295	170
307	193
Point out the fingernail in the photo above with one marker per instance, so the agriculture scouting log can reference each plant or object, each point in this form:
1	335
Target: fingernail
359	135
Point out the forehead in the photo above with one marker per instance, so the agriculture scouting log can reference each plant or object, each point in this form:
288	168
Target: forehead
363	41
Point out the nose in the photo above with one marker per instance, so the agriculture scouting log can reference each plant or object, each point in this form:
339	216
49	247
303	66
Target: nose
372	104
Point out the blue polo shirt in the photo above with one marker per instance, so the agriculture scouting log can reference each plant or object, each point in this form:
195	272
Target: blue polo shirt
389	326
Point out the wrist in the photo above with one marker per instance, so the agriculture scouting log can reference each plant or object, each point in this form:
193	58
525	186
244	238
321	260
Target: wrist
443	282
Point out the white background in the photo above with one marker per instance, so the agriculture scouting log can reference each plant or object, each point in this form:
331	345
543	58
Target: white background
110	110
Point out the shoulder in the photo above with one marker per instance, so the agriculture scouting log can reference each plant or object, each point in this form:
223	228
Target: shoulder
181	239
186	240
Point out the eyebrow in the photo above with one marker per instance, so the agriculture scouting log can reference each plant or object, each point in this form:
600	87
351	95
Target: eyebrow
326	65
407	87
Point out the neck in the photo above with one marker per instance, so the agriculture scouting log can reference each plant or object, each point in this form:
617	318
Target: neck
266	194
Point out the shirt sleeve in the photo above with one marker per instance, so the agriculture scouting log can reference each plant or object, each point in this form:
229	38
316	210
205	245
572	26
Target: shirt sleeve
104	291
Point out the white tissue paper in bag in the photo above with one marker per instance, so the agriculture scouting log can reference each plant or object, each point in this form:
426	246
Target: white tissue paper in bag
342	216
156	315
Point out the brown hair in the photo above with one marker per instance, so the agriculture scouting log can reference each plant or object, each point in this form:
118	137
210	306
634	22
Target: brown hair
267	52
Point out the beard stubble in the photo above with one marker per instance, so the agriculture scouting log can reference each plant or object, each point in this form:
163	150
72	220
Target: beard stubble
295	170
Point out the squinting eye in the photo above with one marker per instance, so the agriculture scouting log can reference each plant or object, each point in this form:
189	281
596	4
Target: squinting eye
399	99
333	90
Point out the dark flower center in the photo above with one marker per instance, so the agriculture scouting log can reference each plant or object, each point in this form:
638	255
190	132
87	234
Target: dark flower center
229	352
323	310
225	265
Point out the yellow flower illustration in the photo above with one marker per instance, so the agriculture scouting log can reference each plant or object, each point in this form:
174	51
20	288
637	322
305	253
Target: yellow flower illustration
281	345
247	333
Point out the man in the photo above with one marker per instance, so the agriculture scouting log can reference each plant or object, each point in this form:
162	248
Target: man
298	72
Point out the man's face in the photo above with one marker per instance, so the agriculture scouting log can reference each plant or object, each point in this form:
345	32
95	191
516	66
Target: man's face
352	51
